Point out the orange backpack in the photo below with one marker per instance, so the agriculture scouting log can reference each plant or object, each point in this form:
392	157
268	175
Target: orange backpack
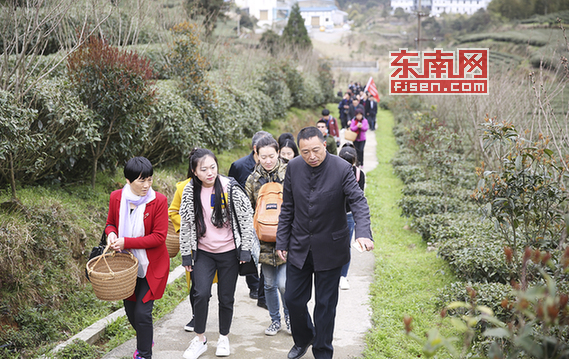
267	211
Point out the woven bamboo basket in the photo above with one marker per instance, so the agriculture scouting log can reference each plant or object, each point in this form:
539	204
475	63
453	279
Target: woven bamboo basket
113	278
172	240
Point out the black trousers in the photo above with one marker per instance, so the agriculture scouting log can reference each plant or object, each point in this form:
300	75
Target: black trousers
256	283
297	294
139	315
227	267
359	145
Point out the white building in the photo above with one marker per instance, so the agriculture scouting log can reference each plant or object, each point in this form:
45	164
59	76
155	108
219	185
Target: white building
436	7
318	16
315	13
267	12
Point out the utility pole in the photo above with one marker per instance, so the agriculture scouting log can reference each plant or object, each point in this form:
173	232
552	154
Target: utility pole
419	15
238	21
419	26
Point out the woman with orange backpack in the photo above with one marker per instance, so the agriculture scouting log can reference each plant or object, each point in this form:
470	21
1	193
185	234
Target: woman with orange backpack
260	188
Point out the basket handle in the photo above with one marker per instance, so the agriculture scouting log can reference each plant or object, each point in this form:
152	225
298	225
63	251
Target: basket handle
105	259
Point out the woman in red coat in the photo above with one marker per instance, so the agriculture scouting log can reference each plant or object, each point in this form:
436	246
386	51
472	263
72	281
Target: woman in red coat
138	222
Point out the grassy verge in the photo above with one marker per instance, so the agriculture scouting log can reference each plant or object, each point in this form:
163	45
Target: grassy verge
407	277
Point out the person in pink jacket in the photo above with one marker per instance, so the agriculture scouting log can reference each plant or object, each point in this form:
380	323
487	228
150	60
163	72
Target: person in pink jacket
360	125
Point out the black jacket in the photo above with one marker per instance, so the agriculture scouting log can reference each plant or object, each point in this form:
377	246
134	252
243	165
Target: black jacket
371	112
313	215
242	168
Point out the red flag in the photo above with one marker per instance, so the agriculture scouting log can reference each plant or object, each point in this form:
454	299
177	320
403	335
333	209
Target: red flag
370	87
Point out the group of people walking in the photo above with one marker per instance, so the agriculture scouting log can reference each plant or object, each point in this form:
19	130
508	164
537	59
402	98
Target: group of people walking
358	111
321	204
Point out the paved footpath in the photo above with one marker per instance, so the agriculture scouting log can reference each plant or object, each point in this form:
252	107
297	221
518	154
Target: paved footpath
247	338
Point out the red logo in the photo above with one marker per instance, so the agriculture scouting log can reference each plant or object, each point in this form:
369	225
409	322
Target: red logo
439	72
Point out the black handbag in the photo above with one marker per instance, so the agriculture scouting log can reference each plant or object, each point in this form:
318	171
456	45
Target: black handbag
248	268
97	251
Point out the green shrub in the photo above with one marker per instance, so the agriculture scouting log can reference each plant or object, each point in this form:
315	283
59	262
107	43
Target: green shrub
295	83
15	137
252	109
410	173
325	80
434	188
478	258
116	85
402	158
313	91
173	128
418	206
443	227
273	84
68	127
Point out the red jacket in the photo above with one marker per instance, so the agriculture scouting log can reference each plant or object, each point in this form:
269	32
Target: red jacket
332	125
154	241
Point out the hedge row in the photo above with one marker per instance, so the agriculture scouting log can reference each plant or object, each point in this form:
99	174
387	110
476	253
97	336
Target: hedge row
66	128
450	216
444	213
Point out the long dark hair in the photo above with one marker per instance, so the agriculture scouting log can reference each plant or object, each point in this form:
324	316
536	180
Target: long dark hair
220	206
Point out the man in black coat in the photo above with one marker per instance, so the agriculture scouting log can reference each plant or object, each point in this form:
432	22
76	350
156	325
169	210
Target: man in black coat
240	170
371	111
314	238
353	107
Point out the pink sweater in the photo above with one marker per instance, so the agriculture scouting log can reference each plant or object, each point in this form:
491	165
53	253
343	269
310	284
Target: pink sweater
362	130
215	240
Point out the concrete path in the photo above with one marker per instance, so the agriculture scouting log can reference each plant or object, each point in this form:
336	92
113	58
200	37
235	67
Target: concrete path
247	338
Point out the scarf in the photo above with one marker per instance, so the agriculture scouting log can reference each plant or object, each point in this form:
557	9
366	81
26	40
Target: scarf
131	224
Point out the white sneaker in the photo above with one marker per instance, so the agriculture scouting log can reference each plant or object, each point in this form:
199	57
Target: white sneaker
223	346
273	329
196	348
344	285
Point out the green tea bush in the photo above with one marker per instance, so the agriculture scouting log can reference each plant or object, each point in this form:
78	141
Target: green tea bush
314	95
173	128
444	227
273	84
478	258
419	206
15	137
402	158
68	126
325	80
434	188
410	173
250	105
295	83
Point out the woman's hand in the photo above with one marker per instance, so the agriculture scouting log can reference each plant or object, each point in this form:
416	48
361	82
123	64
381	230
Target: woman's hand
117	244
111	237
241	262
360	125
188	268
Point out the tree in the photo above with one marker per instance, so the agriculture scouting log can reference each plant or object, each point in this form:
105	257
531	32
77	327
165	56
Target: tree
400	13
208	10
116	85
270	41
15	136
295	32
